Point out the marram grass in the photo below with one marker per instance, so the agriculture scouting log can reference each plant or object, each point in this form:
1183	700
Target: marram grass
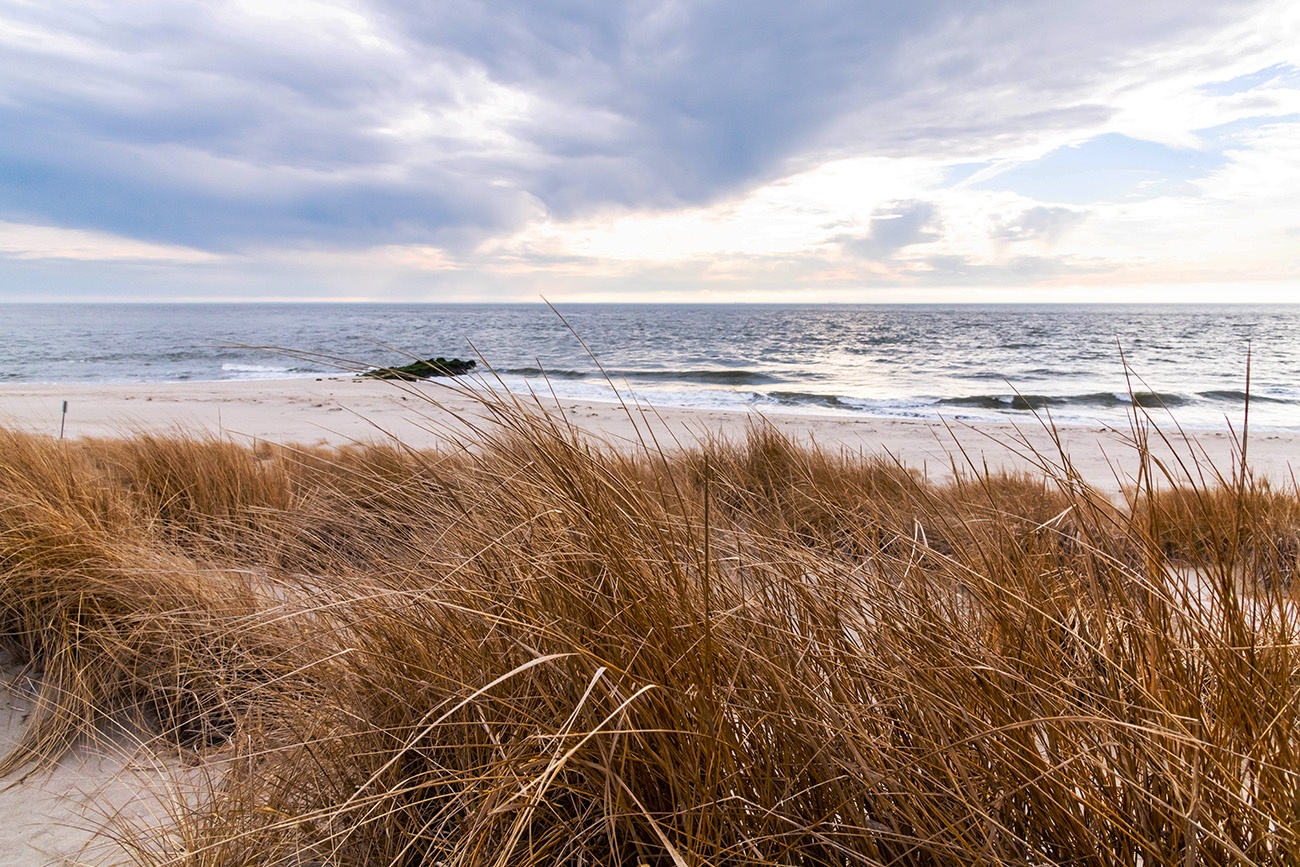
537	650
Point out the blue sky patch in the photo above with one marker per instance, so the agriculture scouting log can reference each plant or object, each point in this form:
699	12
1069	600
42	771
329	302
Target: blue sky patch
1283	74
1227	135
1108	168
959	172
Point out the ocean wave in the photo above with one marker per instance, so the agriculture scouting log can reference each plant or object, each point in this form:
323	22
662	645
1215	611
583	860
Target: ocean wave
231	367
243	371
1097	399
697	377
533	372
702	377
1234	396
801	398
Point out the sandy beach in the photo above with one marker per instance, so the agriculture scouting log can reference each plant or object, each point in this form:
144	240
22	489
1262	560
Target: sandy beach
850	439
340	410
49	818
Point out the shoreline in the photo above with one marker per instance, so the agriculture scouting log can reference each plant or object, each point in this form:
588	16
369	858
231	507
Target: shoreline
339	410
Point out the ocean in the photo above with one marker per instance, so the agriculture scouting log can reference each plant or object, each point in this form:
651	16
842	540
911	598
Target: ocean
1080	363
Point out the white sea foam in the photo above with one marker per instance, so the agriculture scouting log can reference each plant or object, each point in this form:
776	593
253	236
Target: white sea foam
254	368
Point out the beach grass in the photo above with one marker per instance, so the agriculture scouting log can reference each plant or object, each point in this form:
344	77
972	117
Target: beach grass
538	649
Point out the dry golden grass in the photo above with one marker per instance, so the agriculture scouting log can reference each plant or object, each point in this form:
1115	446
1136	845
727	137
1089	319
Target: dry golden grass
540	651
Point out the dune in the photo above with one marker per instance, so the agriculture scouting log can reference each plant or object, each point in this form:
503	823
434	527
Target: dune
479	639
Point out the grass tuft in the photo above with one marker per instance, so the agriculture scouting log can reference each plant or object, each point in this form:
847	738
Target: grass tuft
540	650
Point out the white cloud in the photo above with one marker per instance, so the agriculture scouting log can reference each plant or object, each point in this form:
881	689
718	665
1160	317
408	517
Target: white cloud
795	215
18	241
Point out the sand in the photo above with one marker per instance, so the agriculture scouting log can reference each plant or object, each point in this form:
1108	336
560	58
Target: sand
57	817
50	818
338	410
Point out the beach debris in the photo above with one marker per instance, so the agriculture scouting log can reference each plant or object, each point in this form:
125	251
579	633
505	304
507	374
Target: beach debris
426	369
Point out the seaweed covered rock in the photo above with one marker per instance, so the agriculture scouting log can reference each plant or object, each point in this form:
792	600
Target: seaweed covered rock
426	369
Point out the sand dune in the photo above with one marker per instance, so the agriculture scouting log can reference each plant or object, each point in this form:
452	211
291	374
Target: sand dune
50	818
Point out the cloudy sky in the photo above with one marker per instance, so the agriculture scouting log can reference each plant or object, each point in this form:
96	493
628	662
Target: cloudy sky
765	150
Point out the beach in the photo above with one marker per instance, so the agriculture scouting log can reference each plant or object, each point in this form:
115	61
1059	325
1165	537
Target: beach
848	436
344	409
52	816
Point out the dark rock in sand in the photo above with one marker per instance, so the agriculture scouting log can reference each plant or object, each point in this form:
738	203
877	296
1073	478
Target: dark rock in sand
426	369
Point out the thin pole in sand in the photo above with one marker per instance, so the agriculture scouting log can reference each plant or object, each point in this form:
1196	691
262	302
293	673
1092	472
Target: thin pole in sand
63	421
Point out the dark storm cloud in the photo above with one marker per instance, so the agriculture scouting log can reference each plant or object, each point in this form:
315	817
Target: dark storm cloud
195	123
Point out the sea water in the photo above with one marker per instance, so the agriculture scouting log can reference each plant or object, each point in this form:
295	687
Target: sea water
1078	363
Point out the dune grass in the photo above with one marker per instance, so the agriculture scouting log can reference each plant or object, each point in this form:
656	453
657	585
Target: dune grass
538	650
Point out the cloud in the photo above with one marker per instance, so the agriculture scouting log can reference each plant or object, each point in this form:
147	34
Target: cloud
901	225
231	125
203	124
949	270
51	243
1039	223
832	140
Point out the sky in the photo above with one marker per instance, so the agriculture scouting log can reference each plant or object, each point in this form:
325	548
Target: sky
661	150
